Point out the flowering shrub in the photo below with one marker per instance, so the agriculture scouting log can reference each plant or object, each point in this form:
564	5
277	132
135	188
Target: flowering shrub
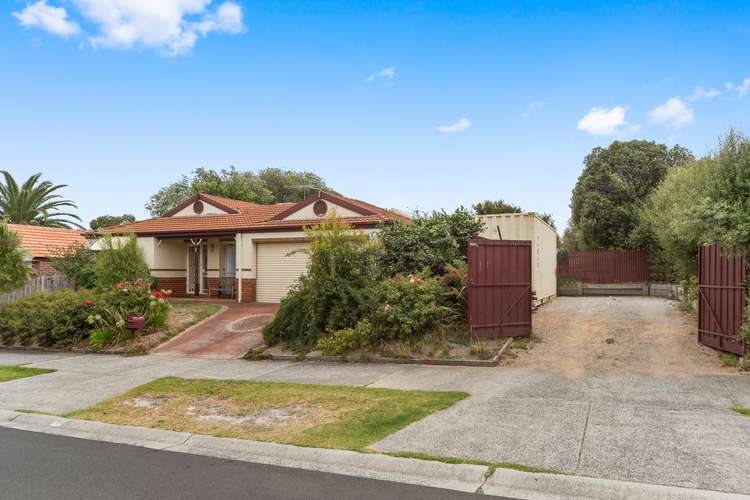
127	299
67	318
408	307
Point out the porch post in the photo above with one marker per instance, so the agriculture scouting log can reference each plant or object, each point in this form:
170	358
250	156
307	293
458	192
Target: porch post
238	264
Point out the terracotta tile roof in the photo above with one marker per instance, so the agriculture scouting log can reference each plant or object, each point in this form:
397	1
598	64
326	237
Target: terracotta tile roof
251	217
45	241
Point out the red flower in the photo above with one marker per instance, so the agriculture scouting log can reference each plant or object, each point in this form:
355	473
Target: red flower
397	277
157	294
118	285
88	302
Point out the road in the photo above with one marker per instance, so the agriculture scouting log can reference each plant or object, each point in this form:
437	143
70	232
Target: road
41	466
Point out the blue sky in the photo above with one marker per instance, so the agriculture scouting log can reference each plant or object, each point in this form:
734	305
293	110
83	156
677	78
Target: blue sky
413	105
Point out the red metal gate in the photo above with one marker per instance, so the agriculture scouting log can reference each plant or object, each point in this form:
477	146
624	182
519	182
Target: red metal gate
499	288
722	298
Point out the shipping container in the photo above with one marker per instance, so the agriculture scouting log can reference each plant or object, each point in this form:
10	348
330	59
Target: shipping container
543	239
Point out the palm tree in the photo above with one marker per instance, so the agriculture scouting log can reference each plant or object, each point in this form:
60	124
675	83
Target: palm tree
35	203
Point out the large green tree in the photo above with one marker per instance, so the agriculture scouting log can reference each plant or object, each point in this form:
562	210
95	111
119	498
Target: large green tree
110	220
612	188
271	185
35	203
13	268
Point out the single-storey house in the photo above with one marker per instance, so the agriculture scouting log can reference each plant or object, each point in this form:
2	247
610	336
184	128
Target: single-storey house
41	243
214	246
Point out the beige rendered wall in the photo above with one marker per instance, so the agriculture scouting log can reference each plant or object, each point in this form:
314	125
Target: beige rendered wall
208	209
543	246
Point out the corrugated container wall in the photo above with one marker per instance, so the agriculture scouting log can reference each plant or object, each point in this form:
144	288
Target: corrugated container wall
543	247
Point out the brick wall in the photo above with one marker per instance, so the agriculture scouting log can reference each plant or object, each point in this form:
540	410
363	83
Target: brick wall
248	290
177	285
43	267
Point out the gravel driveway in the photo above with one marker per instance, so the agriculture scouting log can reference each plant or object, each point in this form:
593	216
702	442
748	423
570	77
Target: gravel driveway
614	335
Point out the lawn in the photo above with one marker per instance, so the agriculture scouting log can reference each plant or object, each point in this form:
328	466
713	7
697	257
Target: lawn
348	418
13	372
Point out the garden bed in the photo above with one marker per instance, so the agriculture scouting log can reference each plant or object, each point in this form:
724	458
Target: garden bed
454	354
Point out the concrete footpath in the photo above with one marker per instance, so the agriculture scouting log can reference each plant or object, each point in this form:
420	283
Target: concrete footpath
625	436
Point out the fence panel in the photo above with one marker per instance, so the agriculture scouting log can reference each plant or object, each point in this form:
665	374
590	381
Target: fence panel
604	266
37	284
722	299
499	288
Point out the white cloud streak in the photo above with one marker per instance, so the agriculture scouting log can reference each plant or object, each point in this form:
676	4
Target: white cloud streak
674	113
459	126
170	26
741	89
48	18
388	73
603	121
701	93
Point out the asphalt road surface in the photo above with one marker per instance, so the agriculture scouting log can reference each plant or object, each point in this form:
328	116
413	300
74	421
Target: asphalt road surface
41	466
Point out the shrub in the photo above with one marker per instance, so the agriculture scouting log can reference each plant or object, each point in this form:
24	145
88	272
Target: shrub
407	308
335	292
13	269
346	339
77	264
456	282
55	319
119	260
427	243
67	318
101	337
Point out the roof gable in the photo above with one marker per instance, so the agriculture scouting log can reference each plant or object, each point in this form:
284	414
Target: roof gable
321	204
204	204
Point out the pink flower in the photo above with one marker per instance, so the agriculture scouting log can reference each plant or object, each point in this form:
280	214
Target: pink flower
434	306
118	285
88	302
397	277
157	294
138	282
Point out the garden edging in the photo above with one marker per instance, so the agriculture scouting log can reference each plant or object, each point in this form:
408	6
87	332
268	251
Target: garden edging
258	354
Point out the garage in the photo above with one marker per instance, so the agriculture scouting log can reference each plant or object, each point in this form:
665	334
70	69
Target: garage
277	268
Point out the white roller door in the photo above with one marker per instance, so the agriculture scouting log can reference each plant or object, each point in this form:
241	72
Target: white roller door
277	270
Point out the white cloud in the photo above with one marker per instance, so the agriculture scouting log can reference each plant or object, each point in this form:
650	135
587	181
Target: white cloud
701	93
674	112
388	73
43	16
171	26
603	121
459	126
742	89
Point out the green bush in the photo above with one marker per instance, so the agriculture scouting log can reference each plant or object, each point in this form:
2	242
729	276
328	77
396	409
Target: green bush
427	243
101	337
56	319
407	308
335	292
77	264
119	260
67	318
346	339
13	268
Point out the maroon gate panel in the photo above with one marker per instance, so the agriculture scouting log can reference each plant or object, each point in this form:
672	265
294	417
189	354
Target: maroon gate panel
605	266
499	288
722	298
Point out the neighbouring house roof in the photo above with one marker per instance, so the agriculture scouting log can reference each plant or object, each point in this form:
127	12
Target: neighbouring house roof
46	241
244	216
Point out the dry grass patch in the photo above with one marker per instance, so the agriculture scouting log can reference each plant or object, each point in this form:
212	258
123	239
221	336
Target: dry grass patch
304	415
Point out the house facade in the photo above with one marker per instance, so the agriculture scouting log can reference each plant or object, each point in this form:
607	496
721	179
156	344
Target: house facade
214	246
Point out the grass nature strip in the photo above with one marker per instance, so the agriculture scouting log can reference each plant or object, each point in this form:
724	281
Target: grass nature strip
13	372
320	416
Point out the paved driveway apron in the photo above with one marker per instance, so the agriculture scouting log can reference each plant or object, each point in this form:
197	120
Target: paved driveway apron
661	428
230	335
